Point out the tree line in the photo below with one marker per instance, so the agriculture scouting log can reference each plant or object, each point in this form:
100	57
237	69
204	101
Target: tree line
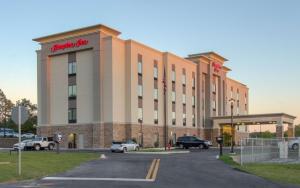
6	106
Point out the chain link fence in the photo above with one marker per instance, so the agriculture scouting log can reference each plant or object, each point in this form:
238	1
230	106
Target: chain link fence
278	150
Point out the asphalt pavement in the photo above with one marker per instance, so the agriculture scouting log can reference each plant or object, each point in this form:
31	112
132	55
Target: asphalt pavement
196	169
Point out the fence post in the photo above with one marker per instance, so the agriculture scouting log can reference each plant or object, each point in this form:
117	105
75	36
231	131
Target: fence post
241	158
252	158
298	147
262	148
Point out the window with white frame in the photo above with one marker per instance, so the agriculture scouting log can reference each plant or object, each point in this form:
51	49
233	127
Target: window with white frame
214	104
72	68
155	116
193	120
214	89
173	76
184	99
193	83
173	118
173	96
140	114
184	119
193	101
140	91
183	78
155	94
72	91
140	68
155	72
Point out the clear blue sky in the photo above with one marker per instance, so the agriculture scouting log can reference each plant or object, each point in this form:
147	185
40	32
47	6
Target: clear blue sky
260	38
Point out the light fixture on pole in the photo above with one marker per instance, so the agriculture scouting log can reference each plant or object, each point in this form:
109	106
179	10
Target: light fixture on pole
232	126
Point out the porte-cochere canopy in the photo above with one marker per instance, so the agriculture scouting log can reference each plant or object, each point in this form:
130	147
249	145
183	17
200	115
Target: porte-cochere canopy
253	119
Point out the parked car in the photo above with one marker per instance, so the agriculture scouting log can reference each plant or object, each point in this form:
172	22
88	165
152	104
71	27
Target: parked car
39	143
28	135
186	142
124	146
23	145
7	133
294	144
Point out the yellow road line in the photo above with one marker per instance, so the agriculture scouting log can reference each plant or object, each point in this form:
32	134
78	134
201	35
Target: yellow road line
150	171
155	169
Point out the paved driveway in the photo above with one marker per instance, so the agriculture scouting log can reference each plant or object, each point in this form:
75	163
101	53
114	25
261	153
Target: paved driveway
195	169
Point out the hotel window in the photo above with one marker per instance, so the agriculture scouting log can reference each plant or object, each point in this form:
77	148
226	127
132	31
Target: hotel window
155	117
231	93
140	115
173	118
140	91
214	105
155	72
184	119
155	94
193	120
193	82
237	111
173	73
72	115
237	95
183	77
184	99
173	96
140	64
72	68
72	91
193	101
214	87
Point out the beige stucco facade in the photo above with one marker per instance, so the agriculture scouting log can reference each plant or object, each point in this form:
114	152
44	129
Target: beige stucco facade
108	82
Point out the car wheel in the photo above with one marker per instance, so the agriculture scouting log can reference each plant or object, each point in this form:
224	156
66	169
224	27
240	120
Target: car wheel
37	147
137	148
201	146
181	146
295	146
50	147
124	150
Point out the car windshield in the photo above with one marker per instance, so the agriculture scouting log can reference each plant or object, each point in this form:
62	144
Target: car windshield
117	142
37	139
25	141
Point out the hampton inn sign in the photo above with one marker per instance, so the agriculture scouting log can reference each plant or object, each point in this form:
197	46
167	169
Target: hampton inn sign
78	43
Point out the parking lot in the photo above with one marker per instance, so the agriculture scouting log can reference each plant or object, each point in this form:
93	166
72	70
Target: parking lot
199	168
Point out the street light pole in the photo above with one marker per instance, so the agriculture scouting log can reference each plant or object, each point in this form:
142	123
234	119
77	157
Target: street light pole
165	110
232	126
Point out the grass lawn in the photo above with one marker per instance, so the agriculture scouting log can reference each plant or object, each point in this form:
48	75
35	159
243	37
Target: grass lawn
39	164
282	173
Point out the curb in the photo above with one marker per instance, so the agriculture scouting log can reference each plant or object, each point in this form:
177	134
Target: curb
161	153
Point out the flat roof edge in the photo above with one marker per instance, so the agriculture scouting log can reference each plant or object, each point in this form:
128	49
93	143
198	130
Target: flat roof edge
93	27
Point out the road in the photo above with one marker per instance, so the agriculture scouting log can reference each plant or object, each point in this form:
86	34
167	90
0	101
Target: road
195	169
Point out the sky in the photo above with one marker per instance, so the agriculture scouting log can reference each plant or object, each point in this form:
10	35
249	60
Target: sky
259	38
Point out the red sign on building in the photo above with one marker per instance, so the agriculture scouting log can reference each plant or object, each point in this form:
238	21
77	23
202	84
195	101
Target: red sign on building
217	67
78	43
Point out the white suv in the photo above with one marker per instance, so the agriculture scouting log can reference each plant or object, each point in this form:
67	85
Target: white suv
124	146
39	143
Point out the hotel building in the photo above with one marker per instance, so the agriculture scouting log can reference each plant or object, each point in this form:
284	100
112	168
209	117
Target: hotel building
94	87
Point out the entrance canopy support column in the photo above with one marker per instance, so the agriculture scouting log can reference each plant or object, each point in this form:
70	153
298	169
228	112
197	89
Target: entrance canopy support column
291	130
279	129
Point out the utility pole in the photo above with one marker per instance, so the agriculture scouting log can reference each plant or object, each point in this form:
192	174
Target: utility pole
232	126
165	109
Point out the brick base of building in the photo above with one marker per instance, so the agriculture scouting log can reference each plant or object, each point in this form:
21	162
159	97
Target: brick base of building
101	135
